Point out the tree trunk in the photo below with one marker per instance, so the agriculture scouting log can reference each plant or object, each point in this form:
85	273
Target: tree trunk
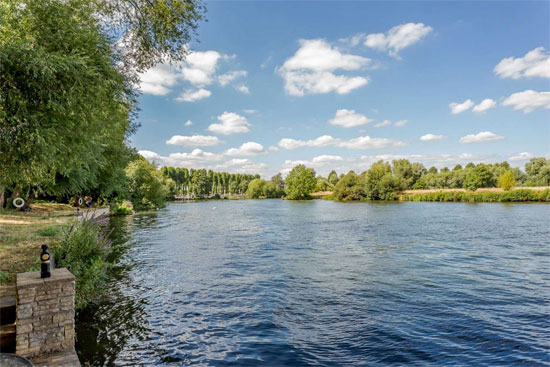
2	197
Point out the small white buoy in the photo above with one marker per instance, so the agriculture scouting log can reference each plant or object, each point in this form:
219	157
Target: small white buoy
18	203
214	208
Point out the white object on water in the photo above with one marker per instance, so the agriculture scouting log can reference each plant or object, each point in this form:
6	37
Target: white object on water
214	208
18	202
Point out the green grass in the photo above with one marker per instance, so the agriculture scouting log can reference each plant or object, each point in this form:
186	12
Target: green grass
522	195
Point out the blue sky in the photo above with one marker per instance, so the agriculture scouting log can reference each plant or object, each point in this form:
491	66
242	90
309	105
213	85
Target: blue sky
339	85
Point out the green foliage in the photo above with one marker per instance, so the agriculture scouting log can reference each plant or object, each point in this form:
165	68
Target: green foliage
538	172
49	232
333	178
65	108
121	208
256	189
350	187
380	183
260	189
278	181
323	184
300	182
83	250
506	180
478	197
147	187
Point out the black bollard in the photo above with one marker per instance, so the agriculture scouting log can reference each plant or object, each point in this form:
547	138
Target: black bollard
45	268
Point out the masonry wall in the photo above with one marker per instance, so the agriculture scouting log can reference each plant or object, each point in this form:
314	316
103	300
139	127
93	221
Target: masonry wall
45	313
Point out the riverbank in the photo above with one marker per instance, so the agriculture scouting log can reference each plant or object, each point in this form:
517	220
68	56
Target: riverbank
538	194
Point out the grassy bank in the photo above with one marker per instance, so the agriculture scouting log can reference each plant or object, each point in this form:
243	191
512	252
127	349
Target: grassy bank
491	196
22	233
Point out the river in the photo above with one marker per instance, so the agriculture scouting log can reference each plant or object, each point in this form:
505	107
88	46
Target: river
320	283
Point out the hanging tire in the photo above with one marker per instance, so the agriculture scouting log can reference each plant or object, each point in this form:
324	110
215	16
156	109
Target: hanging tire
18	203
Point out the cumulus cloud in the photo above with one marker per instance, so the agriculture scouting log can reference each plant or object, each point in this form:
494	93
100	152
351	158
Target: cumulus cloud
432	137
484	105
227	78
319	161
200	67
362	142
158	80
193	95
398	37
401	123
188	123
535	63
274	148
349	118
480	137
195	140
311	69
247	149
383	123
528	100
525	156
457	108
150	156
230	123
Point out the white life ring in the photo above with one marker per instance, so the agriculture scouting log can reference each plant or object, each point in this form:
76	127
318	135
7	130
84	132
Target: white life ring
18	203
80	201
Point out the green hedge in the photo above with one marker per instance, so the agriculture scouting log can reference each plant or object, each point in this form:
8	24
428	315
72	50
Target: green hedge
479	197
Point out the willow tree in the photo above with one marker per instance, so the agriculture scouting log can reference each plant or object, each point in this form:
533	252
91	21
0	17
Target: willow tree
67	87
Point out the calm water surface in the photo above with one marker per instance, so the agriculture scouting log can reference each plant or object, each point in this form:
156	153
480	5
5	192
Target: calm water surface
279	283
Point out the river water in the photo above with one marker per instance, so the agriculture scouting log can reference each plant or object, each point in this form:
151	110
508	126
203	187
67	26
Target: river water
320	283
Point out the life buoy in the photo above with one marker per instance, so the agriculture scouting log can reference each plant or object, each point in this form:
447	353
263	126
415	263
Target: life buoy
18	203
80	201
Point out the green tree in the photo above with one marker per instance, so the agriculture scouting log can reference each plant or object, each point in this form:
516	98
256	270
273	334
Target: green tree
538	172
322	184
278	181
350	187
333	178
300	182
380	184
506	180
256	189
147	187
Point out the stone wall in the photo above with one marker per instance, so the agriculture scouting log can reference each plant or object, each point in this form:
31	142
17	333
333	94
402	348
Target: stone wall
45	313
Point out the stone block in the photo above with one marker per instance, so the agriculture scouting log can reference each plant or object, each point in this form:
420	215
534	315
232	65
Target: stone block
23	328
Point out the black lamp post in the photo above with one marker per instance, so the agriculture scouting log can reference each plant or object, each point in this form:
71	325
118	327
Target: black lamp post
45	267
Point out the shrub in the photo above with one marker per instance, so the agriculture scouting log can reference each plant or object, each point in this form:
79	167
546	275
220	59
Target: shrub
83	250
122	208
50	232
479	197
506	180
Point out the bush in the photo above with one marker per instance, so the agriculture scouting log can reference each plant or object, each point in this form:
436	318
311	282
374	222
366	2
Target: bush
122	208
300	182
49	232
479	197
83	250
348	187
506	180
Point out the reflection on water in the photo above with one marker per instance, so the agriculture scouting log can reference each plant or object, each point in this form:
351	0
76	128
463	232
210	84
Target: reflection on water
277	283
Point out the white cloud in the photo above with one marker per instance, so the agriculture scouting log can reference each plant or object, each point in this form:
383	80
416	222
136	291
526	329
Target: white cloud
274	148
230	123
484	105
227	78
457	108
158	80
200	67
193	95
188	123
150	156
310	69
535	63
349	118
528	100
249	148
322	141
319	161
383	123
521	156
480	137
243	89
195	140
362	142
366	142
249	111
401	123
432	137
398	37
